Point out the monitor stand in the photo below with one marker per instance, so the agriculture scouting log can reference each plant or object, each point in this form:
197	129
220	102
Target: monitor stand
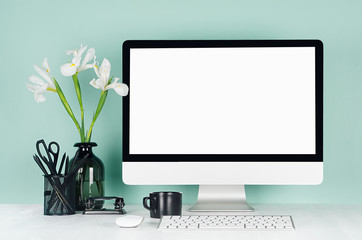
221	198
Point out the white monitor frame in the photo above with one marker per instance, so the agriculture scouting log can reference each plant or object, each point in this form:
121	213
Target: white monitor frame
224	169
222	173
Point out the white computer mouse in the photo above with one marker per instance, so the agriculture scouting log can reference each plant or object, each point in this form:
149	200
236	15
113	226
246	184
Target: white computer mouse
129	221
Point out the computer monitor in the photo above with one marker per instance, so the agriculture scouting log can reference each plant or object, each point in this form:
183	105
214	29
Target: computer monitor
222	114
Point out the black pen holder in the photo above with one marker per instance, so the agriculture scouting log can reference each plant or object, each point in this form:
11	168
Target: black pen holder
59	195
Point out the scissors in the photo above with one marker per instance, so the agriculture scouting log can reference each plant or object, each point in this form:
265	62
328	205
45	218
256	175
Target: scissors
50	161
56	156
54	153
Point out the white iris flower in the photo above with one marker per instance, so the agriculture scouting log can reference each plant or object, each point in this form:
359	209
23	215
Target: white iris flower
103	81
44	82
76	65
40	86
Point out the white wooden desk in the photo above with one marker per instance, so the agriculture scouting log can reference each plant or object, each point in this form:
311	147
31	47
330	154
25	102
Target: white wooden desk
320	222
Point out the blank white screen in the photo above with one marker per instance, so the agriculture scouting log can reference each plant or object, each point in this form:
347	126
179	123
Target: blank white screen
222	100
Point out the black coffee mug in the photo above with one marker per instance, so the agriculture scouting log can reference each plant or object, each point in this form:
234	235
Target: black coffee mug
164	204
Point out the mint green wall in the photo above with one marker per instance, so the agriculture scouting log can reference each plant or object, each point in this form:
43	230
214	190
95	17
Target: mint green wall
32	30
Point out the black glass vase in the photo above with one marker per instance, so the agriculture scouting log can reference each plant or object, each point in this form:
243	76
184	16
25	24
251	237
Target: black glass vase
89	180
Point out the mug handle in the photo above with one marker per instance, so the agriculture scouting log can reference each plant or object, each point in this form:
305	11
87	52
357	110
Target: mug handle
145	203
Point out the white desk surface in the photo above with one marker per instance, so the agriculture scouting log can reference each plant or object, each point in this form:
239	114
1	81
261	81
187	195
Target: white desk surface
320	222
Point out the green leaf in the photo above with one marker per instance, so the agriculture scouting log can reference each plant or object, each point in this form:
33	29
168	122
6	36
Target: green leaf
101	102
110	80
79	96
66	104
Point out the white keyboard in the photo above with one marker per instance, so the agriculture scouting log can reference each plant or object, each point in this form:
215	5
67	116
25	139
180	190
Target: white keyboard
239	222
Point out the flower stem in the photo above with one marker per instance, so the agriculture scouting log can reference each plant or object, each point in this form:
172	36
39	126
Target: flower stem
101	102
79	96
66	104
